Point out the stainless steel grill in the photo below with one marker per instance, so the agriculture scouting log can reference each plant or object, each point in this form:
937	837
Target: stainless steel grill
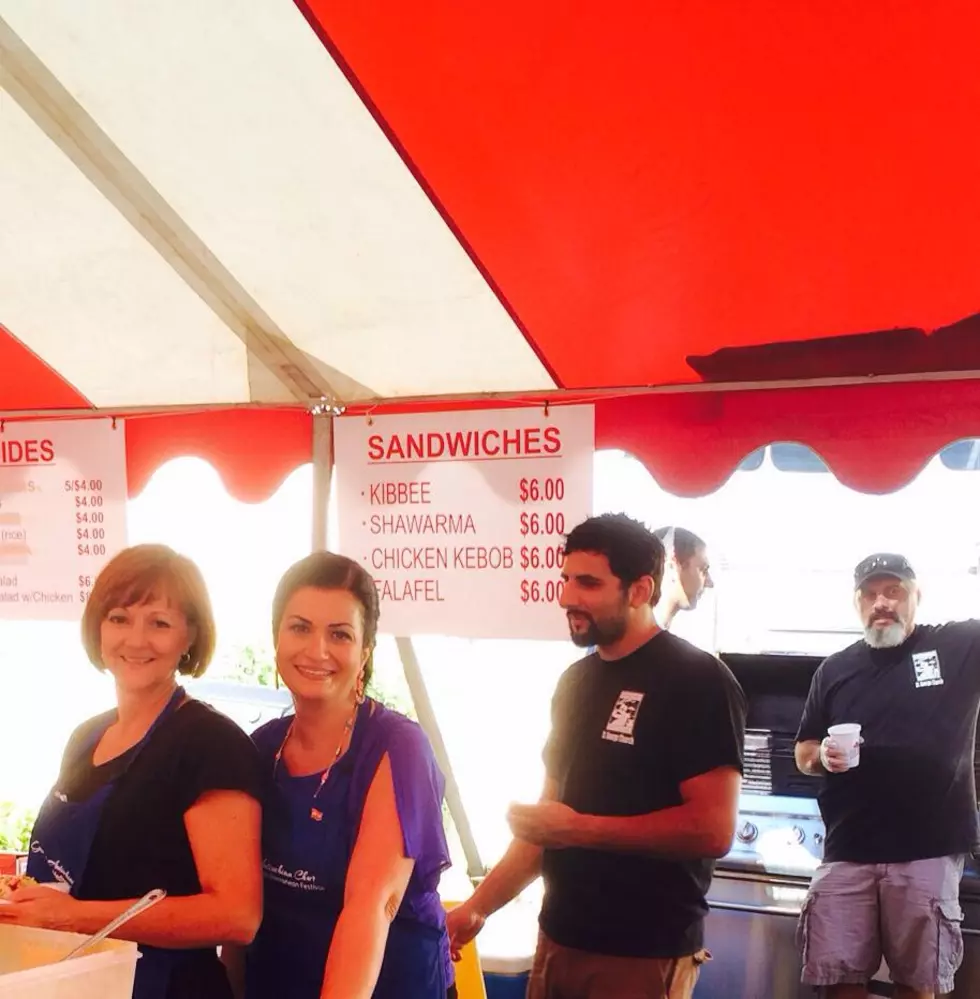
760	885
757	775
770	765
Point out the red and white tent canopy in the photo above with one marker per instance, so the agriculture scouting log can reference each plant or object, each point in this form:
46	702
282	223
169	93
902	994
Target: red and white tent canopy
207	205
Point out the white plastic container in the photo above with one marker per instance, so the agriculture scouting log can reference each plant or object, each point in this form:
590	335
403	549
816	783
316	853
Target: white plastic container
31	966
506	949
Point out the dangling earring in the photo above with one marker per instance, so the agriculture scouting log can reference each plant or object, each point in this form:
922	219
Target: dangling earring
359	689
185	658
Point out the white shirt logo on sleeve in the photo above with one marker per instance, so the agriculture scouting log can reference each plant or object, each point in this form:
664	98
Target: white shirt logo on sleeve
927	671
622	721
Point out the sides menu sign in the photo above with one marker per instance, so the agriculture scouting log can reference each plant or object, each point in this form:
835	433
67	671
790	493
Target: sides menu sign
460	516
62	513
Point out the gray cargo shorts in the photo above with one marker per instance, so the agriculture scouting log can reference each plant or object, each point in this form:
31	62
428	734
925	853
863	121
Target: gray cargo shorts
910	914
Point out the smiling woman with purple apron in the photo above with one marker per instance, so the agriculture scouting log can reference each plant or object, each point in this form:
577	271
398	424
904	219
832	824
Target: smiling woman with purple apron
343	776
306	858
150	792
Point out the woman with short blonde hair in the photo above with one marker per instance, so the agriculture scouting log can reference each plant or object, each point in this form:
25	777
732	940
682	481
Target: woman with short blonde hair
160	792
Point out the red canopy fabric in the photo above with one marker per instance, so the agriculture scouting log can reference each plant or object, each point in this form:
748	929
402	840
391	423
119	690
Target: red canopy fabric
651	184
27	382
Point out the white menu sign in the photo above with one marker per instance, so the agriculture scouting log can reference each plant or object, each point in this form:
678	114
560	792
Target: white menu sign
460	517
62	513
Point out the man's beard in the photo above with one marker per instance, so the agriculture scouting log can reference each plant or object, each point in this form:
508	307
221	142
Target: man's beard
598	633
889	637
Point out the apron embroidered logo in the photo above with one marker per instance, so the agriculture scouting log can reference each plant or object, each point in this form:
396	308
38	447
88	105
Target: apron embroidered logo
291	879
621	722
927	671
58	871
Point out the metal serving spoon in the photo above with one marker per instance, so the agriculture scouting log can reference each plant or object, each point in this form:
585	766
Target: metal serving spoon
147	901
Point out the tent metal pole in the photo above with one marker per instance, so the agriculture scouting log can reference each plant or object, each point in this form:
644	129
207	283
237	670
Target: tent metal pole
322	477
427	719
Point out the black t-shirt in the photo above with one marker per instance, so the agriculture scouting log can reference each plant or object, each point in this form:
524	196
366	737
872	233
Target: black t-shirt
141	842
913	795
625	735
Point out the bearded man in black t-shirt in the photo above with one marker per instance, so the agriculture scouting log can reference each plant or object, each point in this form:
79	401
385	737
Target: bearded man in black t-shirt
643	771
900	821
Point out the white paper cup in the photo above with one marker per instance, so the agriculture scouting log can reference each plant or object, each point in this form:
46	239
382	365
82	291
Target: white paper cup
847	738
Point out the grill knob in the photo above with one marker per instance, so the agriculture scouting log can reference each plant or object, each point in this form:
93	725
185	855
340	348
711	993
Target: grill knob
746	833
798	834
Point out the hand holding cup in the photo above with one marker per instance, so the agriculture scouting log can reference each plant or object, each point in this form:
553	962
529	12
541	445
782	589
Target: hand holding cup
841	749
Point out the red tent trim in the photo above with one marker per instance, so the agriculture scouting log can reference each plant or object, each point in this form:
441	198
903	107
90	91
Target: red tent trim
875	437
253	450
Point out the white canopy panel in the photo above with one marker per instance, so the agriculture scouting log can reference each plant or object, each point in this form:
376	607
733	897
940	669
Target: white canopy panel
214	216
83	289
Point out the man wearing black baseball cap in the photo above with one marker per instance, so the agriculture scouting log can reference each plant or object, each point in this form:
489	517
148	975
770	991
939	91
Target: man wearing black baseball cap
900	810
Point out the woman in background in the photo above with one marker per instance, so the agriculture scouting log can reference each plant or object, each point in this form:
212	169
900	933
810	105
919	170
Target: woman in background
160	792
353	840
